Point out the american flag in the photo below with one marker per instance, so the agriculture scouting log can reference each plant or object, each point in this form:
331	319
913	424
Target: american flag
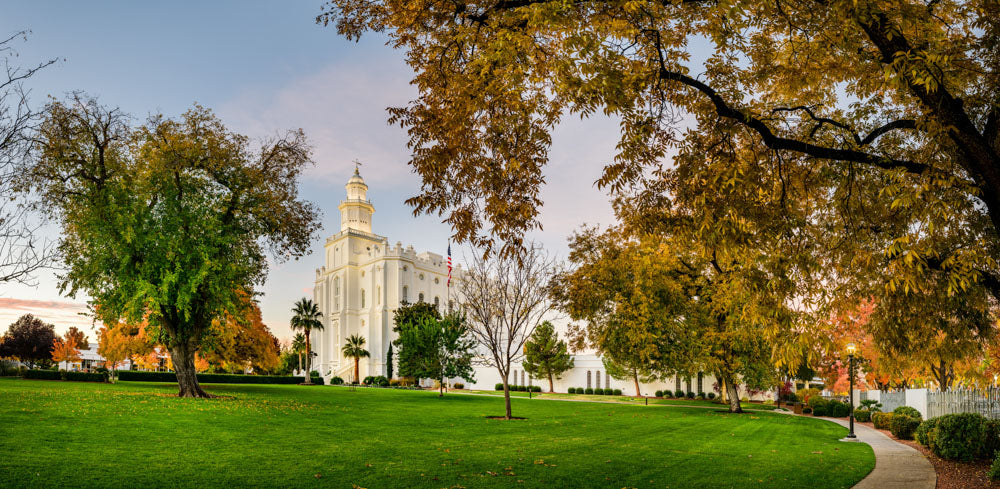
449	264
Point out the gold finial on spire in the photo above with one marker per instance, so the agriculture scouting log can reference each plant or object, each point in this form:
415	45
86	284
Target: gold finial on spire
357	164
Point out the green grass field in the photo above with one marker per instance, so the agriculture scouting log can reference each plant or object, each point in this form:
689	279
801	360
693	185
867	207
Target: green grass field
64	434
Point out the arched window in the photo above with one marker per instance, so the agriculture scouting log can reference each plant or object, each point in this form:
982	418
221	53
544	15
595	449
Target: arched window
588	379
437	280
522	378
420	298
378	295
362	298
336	293
450	305
421	276
404	294
598	380
437	301
607	380
405	268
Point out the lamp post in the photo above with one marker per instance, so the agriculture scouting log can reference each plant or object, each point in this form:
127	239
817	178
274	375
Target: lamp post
851	350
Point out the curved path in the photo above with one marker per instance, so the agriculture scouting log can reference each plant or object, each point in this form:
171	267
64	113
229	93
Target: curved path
897	466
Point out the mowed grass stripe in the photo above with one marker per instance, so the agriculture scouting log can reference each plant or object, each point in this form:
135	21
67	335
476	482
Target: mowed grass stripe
63	434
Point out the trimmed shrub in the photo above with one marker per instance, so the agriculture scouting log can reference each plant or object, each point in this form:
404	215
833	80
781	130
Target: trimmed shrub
908	411
690	395
903	426
571	390
924	431
498	387
882	421
609	391
618	392
315	380
711	395
86	377
658	394
598	391
818	405
807	410
459	385
536	388
588	390
964	437
678	393
139	376
862	415
994	472
838	409
42	374
337	381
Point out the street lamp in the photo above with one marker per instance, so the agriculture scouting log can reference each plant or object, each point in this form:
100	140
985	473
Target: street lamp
851	350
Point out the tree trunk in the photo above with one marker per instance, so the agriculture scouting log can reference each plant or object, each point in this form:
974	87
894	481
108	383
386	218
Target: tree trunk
182	354
308	359
356	370
635	376
441	387
300	361
733	395
551	388
506	398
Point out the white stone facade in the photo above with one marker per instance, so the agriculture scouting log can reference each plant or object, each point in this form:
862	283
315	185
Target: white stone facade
363	282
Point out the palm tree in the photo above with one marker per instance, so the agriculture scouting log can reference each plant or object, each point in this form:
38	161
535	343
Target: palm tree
355	348
307	318
298	346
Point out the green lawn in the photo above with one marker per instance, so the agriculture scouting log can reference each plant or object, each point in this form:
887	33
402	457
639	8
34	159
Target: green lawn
64	434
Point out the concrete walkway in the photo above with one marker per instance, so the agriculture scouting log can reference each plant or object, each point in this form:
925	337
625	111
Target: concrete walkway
897	466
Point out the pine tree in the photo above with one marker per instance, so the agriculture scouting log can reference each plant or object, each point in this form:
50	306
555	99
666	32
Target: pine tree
388	363
545	354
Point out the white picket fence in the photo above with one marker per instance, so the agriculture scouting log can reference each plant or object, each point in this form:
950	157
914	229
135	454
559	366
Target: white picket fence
931	403
982	401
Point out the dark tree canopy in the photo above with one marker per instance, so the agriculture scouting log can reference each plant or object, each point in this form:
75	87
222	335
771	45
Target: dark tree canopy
29	340
545	355
169	222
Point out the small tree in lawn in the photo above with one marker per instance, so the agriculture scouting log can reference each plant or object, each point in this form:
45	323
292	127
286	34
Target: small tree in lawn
77	338
307	318
504	299
355	348
413	350
64	350
388	363
634	371
545	355
439	349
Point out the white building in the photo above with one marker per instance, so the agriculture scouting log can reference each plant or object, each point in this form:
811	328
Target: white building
364	280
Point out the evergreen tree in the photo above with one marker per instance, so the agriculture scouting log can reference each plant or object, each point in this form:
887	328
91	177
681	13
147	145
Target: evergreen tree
437	349
388	363
545	355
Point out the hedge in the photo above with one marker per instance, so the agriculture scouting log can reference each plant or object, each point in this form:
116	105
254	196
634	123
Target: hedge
963	436
42	374
139	376
85	377
903	426
862	415
882	421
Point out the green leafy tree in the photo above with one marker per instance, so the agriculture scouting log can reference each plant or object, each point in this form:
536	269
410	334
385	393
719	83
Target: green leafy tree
170	221
355	348
636	372
29	340
874	125
545	355
411	356
306	318
438	349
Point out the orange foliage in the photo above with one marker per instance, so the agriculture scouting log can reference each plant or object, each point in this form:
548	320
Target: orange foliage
65	351
123	342
238	343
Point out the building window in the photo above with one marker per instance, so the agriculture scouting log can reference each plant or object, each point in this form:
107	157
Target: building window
607	380
437	301
588	379
420	298
450	305
404	294
362	273
421	276
522	378
336	293
677	382
597	381
405	268
437	280
378	295
687	381
362	298
700	378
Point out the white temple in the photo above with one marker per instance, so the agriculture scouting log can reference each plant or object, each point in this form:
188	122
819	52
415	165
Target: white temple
362	284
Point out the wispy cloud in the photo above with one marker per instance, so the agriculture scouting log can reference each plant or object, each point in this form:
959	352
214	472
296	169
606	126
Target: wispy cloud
62	314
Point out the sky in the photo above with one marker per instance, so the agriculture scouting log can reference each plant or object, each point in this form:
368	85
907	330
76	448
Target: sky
265	67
